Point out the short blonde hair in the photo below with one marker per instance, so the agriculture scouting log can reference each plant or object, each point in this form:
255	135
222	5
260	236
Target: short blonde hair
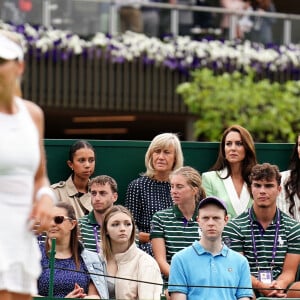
163	141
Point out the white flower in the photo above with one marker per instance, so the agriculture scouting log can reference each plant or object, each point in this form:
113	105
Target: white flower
179	51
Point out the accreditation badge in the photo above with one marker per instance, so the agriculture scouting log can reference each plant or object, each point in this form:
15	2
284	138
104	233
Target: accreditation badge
265	276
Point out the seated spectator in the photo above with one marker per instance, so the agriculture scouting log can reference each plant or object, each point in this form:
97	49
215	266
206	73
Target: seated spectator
13	11
125	261
151	20
104	193
267	237
165	19
246	22
228	178
234	5
151	192
78	273
289	198
75	189
185	18
175	228
204	19
262	31
208	269
130	15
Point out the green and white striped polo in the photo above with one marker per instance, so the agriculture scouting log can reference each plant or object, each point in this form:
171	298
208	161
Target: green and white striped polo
237	235
175	229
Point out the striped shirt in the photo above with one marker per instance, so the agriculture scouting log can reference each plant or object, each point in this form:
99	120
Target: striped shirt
175	229
90	232
237	235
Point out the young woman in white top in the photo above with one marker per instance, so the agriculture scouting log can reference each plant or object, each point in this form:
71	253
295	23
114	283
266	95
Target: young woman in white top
26	199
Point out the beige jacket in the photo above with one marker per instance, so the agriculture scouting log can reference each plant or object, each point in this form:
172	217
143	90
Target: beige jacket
67	192
136	264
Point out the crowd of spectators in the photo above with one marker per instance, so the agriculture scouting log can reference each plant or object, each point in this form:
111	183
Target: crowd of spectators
241	206
138	16
247	191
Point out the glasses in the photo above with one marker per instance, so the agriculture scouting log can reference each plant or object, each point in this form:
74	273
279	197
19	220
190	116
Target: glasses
60	219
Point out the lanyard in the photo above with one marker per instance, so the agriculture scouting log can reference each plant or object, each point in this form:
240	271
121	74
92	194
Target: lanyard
274	249
96	227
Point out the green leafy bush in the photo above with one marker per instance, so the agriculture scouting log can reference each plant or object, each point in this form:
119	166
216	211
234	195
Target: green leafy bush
270	111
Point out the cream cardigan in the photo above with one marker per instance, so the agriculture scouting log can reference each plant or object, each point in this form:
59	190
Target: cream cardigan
135	264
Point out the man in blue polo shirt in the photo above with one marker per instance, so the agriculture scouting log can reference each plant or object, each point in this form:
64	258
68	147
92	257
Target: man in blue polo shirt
208	269
267	237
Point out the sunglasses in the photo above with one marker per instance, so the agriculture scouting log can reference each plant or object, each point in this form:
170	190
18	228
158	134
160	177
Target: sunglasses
60	219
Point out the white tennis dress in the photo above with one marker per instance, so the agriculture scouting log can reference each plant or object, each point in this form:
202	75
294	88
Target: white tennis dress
19	160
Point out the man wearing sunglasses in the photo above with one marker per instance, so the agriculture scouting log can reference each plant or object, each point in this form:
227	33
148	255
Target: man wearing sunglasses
104	193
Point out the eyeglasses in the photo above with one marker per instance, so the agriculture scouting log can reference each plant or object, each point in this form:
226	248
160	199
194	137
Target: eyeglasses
60	219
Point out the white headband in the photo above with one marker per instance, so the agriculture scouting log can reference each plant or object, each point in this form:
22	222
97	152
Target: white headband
9	49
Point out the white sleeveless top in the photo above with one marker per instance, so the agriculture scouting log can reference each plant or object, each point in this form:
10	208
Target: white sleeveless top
19	160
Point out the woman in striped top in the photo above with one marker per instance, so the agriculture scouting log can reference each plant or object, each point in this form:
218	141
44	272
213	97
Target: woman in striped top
175	228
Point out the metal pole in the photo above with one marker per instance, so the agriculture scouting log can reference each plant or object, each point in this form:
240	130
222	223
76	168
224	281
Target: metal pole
233	19
287	29
113	18
51	266
46	13
174	21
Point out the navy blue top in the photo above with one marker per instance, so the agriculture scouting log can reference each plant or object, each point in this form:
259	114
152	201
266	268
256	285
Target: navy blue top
144	197
64	280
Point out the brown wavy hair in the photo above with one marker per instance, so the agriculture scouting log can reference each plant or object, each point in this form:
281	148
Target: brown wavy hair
74	245
250	154
292	185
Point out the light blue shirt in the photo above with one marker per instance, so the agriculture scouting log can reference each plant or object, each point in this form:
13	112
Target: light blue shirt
195	272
